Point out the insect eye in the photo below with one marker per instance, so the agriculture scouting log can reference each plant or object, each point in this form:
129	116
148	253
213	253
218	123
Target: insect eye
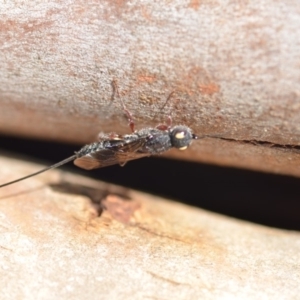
181	137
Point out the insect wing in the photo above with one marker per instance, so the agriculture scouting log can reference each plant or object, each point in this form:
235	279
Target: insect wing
120	153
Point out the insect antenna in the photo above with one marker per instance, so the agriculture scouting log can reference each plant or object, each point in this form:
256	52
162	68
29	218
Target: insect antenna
41	171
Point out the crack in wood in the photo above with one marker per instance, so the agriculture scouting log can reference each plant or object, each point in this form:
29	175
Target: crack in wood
292	148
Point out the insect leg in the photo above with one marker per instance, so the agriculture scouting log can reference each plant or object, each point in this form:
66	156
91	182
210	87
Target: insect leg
127	112
168	123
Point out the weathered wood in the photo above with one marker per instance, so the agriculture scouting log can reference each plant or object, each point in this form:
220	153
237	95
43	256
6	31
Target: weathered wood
234	68
54	244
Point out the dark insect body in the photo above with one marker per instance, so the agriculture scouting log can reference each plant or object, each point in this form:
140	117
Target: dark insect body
121	149
118	149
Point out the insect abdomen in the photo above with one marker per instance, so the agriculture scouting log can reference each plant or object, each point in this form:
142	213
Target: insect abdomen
87	149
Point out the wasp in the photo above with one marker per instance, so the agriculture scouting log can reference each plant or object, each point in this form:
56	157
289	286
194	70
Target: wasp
114	149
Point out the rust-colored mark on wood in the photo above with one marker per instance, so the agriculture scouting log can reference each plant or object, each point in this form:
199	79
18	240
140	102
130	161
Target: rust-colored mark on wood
146	78
197	80
195	4
119	208
116	8
22	28
145	13
209	88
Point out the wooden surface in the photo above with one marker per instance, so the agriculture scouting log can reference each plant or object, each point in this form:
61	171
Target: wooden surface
234	69
54	243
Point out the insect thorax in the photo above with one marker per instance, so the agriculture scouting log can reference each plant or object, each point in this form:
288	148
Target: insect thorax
156	141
